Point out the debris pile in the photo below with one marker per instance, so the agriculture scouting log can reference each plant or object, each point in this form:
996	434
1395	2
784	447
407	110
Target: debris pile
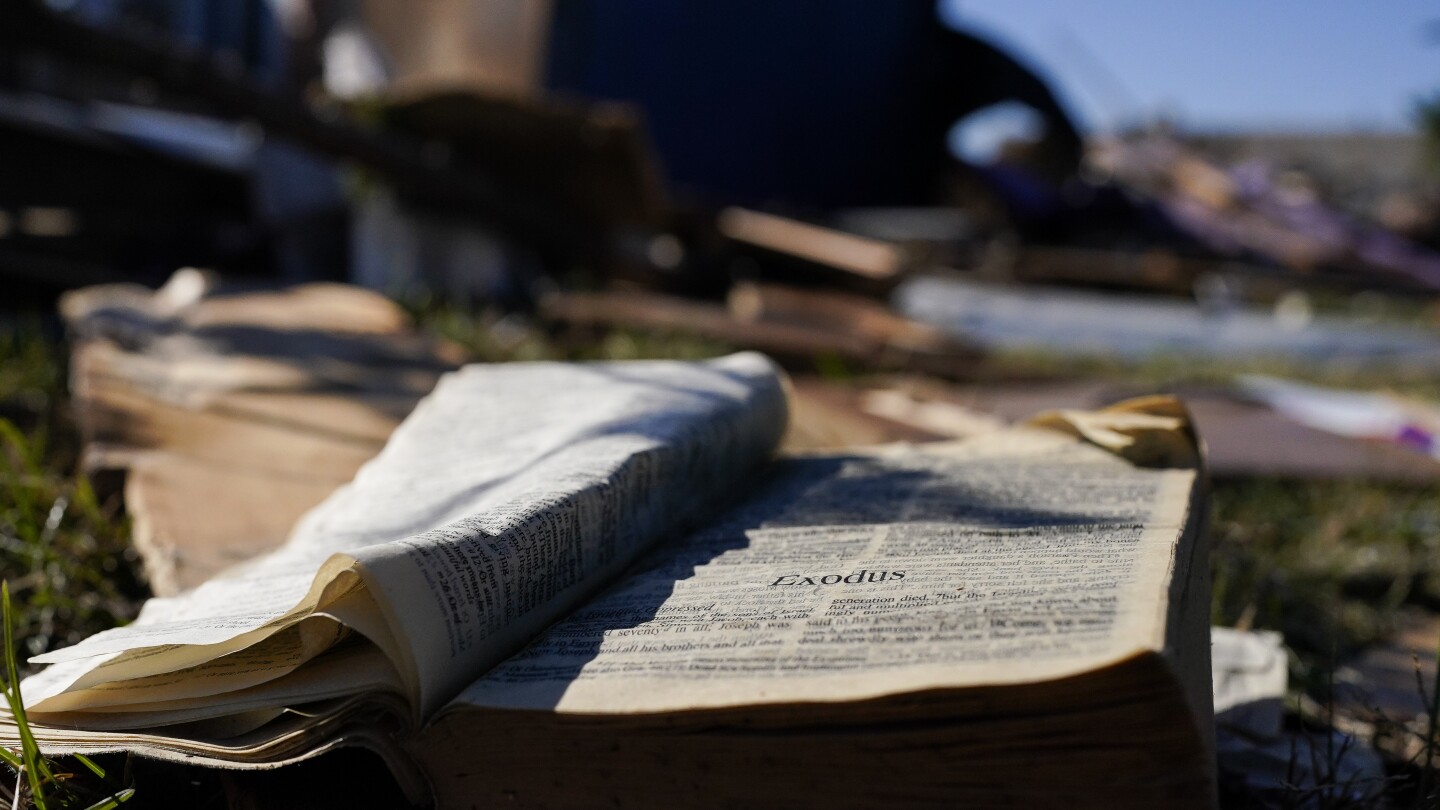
584	175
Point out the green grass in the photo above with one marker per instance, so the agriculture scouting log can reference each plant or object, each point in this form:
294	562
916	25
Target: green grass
65	553
490	337
1327	563
48	786
1164	371
27	762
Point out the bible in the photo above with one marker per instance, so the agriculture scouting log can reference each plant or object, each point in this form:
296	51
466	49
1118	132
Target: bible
567	585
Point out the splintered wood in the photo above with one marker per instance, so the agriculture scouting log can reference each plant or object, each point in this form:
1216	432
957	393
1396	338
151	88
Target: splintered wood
230	414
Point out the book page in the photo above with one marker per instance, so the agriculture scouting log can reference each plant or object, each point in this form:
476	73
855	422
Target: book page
219	618
1021	556
511	493
678	440
347	670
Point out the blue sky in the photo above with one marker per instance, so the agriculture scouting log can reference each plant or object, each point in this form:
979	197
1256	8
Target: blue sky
1224	64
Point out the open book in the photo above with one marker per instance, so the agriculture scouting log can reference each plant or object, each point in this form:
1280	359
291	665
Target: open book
562	585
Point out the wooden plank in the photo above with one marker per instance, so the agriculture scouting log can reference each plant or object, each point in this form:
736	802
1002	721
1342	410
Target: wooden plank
226	414
120	417
871	264
195	300
192	518
877	329
791	324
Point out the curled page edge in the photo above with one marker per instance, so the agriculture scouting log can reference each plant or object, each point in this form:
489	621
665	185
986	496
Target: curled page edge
1152	431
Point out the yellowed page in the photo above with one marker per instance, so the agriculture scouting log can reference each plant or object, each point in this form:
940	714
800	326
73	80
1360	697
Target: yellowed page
219	618
347	670
263	661
1019	556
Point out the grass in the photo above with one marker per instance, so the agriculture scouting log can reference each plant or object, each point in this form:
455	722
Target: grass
65	552
28	762
48	787
1326	562
1168	371
492	337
